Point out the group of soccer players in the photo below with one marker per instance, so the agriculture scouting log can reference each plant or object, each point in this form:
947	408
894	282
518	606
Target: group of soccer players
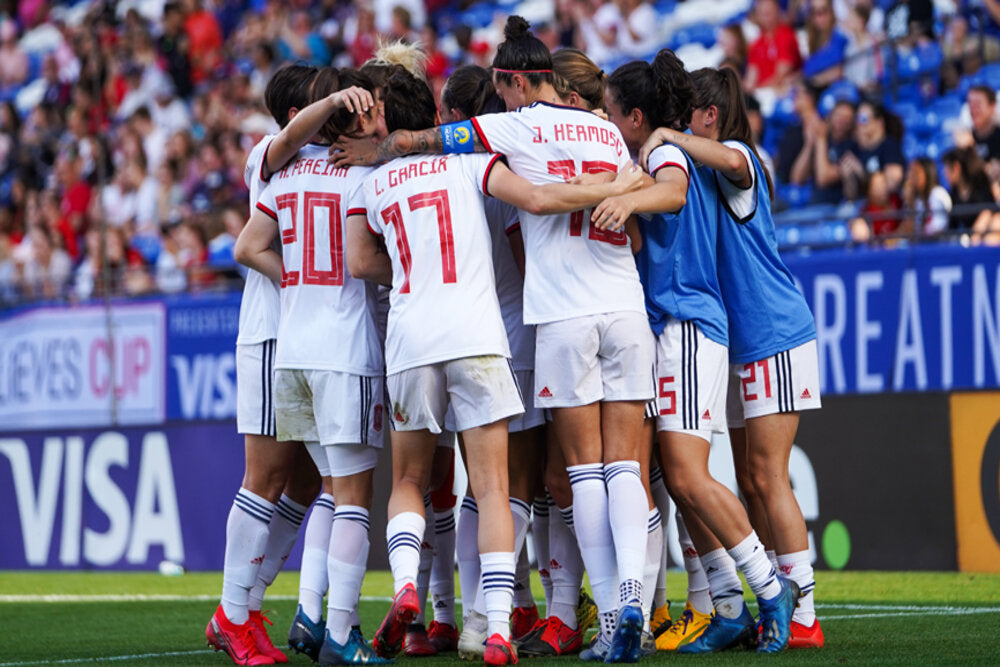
583	325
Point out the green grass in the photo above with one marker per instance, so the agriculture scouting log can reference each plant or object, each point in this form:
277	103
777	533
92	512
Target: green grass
896	618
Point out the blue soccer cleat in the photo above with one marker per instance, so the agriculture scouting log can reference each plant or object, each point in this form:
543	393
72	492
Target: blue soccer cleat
723	634
306	636
776	617
627	640
354	652
597	651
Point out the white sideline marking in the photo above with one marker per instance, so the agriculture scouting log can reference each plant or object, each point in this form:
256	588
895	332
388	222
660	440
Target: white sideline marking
112	658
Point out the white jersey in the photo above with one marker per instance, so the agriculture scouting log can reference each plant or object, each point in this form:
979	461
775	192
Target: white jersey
327	317
443	304
572	268
503	219
260	305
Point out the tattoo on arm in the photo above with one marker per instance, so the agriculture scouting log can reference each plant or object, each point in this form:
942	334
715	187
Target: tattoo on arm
405	142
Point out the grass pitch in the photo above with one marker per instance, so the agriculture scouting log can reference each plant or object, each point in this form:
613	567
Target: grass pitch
147	619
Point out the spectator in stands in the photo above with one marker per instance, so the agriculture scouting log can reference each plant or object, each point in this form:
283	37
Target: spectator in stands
173	47
794	157
863	55
909	22
926	201
756	119
192	242
47	272
171	276
827	45
8	269
970	189
880	215
364	40
300	41
74	199
733	43
204	40
877	149
982	102
13	60
773	59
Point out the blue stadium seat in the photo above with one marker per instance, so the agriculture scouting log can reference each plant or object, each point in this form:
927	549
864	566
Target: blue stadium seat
794	195
929	58
148	247
990	75
838	91
696	33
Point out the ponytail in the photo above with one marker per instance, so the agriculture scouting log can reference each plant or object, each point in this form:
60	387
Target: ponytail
468	89
662	91
522	53
722	89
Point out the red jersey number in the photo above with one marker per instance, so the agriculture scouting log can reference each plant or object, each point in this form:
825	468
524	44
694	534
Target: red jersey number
438	200
567	169
313	201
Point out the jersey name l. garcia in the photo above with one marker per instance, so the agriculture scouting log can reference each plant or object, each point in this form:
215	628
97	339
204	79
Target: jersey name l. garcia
443	305
327	317
572	269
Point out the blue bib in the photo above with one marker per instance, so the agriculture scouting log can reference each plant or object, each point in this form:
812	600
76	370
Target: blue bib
677	260
767	313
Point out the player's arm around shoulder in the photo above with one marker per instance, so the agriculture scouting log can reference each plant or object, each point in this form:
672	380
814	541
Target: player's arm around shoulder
551	198
665	192
253	246
444	139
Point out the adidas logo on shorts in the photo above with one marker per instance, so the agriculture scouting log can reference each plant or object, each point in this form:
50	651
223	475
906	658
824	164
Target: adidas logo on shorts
707	416
805	394
545	393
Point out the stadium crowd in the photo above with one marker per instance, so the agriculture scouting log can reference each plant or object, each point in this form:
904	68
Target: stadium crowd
141	114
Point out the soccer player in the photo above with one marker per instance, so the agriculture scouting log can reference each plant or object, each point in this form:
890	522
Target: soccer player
772	335
678	264
446	269
593	349
280	481
326	393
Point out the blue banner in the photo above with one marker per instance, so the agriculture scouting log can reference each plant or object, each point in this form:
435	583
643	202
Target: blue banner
119	499
925	318
201	356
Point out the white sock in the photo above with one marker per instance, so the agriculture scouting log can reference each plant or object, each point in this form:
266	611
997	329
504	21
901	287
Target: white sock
627	512
724	582
427	549
498	589
246	537
346	568
404	534
662	501
593	532
756	568
540	535
313	580
772	556
565	567
467	552
654	549
281	534
443	569
607	621
698	593
521	512
797	567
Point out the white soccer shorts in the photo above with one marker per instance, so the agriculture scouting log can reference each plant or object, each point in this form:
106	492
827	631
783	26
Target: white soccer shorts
480	390
785	382
531	418
342	460
254	388
606	357
329	407
691	374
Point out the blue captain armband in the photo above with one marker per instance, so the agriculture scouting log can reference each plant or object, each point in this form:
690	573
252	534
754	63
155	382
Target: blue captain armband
458	137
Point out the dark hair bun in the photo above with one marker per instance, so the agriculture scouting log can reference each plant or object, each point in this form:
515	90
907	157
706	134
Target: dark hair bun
516	28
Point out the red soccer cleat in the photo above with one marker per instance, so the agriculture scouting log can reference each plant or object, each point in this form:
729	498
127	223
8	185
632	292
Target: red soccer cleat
499	651
237	641
551	638
416	643
522	620
443	636
806	637
264	645
389	637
